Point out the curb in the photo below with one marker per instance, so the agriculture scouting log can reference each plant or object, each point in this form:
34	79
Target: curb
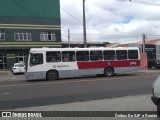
5	72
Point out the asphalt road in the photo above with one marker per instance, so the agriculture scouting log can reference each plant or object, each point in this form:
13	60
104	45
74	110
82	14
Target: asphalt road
16	93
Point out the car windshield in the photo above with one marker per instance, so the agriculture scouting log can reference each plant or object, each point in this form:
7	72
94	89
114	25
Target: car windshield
19	65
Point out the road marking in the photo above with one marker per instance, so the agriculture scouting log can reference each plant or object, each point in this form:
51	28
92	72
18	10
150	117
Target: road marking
80	81
5	94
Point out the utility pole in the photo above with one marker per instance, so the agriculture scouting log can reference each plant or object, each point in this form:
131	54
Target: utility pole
144	43
84	26
69	38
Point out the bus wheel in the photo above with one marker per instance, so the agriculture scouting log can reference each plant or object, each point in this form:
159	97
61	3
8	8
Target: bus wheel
108	72
52	75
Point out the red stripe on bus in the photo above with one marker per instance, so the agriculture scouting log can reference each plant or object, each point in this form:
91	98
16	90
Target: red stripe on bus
104	64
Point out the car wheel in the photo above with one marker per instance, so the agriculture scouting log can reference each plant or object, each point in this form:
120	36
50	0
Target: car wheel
108	72
158	109
52	75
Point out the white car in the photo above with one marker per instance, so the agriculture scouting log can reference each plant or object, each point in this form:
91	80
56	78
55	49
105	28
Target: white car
156	94
18	68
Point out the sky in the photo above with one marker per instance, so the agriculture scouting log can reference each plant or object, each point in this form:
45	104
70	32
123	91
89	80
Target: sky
111	20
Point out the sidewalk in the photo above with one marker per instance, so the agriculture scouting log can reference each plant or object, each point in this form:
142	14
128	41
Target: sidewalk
149	71
129	103
5	72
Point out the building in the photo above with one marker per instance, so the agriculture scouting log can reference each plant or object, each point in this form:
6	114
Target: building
25	24
79	44
152	48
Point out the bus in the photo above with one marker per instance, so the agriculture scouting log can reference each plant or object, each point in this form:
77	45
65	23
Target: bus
55	63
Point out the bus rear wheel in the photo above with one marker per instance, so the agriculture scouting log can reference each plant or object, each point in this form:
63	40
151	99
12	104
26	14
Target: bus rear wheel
52	75
108	72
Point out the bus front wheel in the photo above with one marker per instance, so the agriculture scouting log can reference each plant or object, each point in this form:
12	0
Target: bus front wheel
108	72
52	75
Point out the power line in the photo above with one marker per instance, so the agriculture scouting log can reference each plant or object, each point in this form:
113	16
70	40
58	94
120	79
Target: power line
71	16
68	13
116	36
139	2
107	35
27	9
67	21
102	29
145	3
152	35
20	4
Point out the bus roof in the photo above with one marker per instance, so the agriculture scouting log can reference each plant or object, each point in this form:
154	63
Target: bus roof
79	49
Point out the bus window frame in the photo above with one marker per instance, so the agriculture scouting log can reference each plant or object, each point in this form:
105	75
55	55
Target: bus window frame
66	58
111	56
120	57
98	59
136	54
83	56
36	64
56	60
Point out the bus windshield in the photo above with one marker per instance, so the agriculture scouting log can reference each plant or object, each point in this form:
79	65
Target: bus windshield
36	59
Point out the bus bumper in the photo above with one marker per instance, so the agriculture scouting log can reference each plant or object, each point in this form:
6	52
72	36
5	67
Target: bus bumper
35	75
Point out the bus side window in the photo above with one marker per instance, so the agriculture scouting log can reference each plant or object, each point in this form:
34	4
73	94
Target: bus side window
109	55
96	55
53	56
132	54
121	54
68	56
82	55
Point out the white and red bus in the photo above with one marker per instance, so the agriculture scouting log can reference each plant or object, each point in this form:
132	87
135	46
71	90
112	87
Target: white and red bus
54	63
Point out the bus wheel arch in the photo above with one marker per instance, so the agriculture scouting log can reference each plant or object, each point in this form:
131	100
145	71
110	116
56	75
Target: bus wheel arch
52	75
108	72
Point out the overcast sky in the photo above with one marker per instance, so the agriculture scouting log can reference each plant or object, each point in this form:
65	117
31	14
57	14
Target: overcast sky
111	20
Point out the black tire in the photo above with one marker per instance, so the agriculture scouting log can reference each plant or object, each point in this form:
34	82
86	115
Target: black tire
114	74
52	75
108	72
158	109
